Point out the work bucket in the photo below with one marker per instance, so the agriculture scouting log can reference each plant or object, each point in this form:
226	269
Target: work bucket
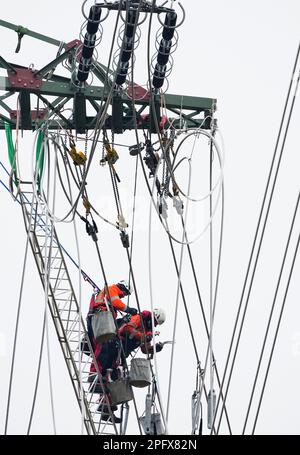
140	373
120	391
103	326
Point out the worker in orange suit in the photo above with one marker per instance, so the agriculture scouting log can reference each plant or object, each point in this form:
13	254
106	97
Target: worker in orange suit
114	295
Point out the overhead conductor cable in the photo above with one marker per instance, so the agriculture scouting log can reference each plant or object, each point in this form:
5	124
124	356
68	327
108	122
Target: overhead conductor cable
262	220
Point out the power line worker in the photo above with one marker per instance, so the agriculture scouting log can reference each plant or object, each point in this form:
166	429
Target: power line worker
99	302
139	332
136	333
115	293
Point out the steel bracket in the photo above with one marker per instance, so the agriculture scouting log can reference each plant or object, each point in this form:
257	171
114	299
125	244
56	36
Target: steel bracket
24	78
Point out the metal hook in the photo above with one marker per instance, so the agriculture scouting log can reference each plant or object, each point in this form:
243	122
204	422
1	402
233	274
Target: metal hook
20	36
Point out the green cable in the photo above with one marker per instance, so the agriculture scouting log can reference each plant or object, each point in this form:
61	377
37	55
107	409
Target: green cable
40	155
10	146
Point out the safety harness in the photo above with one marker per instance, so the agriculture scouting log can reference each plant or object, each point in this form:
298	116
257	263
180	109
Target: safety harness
101	302
137	328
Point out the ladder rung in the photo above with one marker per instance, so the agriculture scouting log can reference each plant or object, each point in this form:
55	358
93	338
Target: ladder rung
57	278
69	310
66	311
72	333
66	295
69	320
65	300
62	289
70	330
62	296
54	258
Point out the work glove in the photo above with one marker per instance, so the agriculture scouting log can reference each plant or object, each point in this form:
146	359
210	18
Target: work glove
131	311
158	347
148	337
125	319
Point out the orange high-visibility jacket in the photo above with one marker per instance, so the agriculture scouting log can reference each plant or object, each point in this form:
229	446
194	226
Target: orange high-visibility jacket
115	294
134	328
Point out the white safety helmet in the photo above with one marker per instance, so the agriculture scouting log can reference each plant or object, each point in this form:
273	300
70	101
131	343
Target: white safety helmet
127	285
159	315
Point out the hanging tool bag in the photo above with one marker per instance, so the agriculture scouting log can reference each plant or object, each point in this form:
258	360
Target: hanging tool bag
120	391
140	372
103	325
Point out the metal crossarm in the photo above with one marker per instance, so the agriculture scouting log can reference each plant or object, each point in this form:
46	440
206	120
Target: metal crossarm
43	83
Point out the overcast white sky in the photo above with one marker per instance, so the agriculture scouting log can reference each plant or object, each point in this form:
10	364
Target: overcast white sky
242	53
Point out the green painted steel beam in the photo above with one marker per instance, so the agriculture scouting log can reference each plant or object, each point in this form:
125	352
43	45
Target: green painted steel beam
100	71
172	101
52	65
54	77
25	110
55	109
6	95
26	31
5	107
190	102
91	123
6	65
97	93
3	118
